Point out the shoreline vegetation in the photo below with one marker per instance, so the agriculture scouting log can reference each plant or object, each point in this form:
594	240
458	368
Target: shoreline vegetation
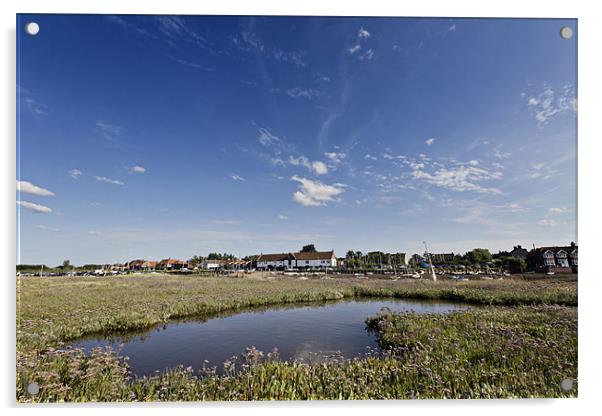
523	345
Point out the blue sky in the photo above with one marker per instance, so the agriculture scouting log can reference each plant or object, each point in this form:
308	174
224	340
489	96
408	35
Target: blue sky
170	136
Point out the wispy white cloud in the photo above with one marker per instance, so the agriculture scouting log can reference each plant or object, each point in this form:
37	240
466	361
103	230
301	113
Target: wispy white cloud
462	177
128	25
514	207
299	92
548	103
430	141
46	228
176	30
322	78
93	232
498	154
282	217
109	180
266	138
542	171
316	193
335	159
193	64
110	132
41	209
137	169
366	56
357	48
317	167
30	188
35	106
236	177
250	42
559	210
75	173
354	49
363	33
545	222
226	222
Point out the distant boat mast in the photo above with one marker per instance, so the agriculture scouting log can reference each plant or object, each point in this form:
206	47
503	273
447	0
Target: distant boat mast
430	262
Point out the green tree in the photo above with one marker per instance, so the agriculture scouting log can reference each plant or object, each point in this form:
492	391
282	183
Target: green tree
514	265
309	248
66	265
196	261
478	255
501	254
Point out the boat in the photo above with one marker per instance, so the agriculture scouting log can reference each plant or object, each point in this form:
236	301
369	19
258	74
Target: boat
459	277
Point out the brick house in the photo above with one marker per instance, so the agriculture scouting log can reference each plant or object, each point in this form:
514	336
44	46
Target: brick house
171	264
519	253
556	258
149	265
134	265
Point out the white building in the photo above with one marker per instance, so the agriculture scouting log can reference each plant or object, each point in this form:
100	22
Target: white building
315	260
212	264
276	261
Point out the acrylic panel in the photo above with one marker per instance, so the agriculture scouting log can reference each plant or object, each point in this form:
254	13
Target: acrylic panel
220	208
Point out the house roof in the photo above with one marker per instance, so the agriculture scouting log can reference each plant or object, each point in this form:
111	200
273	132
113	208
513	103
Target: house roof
171	261
556	249
319	255
149	264
275	257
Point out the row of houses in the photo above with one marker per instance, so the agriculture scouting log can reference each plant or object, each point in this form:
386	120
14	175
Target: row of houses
542	259
555	258
552	258
147	265
171	264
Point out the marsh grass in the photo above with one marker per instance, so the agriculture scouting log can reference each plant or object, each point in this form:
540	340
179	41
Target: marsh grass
518	351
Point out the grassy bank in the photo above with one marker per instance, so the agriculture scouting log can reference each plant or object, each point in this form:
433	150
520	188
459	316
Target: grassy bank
56	310
494	352
63	308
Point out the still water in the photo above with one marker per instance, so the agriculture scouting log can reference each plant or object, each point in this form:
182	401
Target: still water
299	332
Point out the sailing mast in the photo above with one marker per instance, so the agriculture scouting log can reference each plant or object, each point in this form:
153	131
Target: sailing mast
430	262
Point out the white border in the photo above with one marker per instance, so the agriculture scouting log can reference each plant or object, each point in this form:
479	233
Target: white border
589	152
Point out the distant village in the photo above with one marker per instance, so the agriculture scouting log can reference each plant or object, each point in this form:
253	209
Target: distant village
552	259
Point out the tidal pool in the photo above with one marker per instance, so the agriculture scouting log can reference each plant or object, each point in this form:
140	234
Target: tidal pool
306	332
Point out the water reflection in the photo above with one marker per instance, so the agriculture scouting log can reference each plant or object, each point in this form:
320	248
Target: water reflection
308	332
